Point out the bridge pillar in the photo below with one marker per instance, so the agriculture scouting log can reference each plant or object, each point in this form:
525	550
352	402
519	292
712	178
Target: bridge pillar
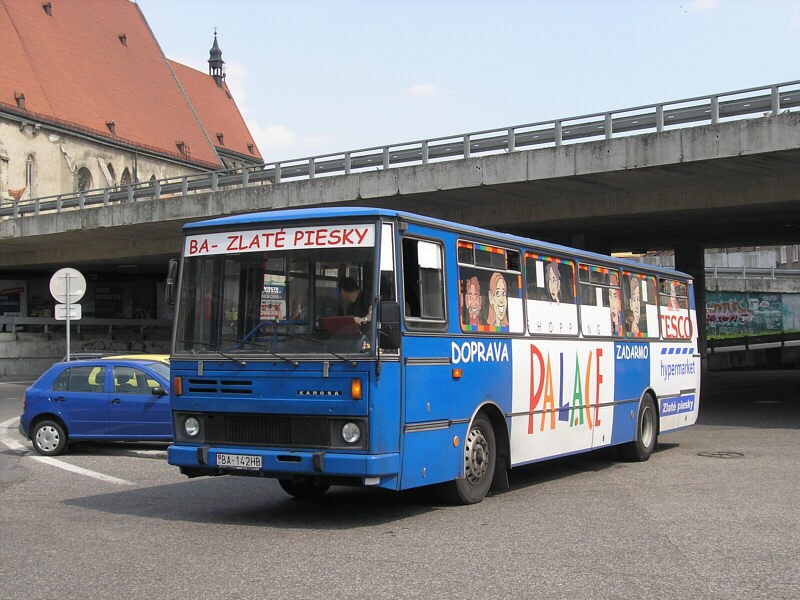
691	259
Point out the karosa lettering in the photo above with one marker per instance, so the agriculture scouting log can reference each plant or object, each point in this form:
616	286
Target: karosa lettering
542	389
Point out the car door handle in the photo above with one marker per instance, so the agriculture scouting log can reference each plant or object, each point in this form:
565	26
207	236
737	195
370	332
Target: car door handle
116	401
59	399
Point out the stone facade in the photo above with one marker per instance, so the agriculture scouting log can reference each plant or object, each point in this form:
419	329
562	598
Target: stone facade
44	160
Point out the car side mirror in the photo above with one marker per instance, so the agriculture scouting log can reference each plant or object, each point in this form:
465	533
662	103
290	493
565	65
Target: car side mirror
389	325
159	391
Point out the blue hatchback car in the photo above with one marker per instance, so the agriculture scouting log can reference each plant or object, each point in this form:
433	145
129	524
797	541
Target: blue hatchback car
111	399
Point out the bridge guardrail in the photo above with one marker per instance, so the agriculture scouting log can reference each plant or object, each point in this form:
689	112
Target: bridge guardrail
764	100
752	342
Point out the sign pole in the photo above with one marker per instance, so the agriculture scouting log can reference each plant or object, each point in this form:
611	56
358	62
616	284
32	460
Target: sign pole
68	306
64	284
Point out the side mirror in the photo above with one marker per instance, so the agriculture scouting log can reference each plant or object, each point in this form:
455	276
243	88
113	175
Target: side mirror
159	391
172	281
389	325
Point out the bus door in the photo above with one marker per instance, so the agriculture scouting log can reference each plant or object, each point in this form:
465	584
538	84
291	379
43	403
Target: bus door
429	389
385	413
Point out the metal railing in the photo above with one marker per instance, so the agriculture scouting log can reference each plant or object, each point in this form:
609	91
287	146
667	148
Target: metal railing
14	323
711	109
752	342
751	272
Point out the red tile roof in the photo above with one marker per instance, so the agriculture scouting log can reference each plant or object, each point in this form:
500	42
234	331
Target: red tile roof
217	111
73	68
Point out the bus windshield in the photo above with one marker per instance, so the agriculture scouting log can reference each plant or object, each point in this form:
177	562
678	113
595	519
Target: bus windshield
313	301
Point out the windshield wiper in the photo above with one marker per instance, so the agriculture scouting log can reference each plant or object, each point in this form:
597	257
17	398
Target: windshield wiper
265	348
287	333
213	348
322	343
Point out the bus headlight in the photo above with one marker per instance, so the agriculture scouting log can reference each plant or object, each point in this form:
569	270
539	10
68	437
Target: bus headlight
351	433
191	426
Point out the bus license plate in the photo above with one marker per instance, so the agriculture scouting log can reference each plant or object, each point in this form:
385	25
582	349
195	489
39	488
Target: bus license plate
239	461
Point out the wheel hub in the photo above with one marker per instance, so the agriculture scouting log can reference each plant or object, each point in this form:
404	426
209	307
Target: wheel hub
648	427
47	438
476	456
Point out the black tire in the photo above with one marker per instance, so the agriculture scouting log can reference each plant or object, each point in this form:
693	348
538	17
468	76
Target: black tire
480	456
49	438
646	440
304	490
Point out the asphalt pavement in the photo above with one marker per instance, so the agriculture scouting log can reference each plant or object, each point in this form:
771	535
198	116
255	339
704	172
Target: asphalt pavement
712	514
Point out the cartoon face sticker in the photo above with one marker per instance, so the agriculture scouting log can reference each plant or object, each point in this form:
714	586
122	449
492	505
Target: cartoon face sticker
498	301
616	311
673	297
473	301
636	298
553	282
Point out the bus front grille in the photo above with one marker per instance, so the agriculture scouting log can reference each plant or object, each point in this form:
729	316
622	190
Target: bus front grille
269	430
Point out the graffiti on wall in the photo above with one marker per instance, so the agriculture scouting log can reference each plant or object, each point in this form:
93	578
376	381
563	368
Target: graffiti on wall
737	313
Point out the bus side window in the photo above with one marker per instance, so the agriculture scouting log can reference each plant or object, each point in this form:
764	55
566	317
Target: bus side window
423	284
674	305
386	281
490	289
599	292
550	283
640	308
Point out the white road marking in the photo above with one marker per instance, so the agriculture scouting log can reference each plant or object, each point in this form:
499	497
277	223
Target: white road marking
13	444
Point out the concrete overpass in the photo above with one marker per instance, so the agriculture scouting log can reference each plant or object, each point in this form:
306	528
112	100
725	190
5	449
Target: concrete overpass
650	181
733	183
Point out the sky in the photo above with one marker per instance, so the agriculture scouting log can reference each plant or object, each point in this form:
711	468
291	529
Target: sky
312	77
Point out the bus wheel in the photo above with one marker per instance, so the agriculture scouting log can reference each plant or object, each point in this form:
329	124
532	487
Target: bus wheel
646	433
480	455
303	489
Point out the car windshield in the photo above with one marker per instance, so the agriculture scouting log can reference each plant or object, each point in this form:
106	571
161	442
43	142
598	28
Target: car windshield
314	300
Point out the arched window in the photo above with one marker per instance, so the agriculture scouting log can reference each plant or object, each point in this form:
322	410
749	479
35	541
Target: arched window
111	173
125	179
29	175
83	181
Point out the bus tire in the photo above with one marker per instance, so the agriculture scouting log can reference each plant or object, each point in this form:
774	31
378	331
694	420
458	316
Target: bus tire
480	456
305	490
646	440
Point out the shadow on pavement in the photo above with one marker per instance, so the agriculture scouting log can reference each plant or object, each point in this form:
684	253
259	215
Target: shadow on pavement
261	503
763	399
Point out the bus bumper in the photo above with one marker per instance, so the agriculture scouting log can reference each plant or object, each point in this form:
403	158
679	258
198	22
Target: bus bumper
202	460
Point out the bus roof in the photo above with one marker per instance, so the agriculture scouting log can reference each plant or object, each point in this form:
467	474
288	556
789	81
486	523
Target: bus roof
300	214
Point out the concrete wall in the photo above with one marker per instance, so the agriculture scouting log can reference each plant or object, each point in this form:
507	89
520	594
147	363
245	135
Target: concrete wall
27	355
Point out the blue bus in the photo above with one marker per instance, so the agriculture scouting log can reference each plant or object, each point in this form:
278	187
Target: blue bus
371	347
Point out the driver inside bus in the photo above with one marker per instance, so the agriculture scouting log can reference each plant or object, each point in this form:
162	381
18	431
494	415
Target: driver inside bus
356	302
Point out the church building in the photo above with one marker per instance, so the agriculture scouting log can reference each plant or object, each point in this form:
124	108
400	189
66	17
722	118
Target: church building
89	101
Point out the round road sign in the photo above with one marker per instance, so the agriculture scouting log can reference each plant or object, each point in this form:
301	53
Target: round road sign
67	280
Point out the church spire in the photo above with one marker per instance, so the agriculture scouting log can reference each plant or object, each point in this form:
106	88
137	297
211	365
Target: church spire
215	62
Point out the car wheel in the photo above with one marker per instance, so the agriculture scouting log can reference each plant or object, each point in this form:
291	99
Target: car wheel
49	438
303	489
